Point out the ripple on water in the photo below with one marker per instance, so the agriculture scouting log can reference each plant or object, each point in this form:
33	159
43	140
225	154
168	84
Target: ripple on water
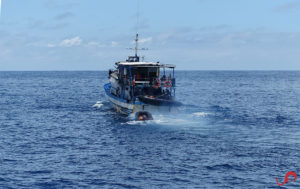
236	130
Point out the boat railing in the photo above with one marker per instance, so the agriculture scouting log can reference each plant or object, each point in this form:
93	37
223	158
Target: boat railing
143	79
150	81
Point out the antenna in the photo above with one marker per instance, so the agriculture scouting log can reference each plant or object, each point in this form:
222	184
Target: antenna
137	16
137	28
136	49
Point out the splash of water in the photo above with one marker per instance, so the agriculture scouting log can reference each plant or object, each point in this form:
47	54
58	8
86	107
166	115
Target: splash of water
98	105
201	114
166	120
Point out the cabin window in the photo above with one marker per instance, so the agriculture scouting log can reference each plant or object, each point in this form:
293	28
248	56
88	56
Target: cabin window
145	73
152	72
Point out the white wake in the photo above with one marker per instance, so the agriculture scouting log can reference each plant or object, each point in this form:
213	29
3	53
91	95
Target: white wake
98	105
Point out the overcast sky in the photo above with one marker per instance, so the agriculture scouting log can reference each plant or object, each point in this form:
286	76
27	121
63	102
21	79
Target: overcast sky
193	34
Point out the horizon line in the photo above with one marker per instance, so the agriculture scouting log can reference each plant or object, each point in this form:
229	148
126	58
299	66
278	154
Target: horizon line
256	70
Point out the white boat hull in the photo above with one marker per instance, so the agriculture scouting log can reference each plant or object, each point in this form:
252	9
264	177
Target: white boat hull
129	107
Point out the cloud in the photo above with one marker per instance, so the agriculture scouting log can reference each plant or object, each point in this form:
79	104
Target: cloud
228	48
63	16
145	40
165	36
94	44
76	41
214	47
206	36
113	43
50	45
287	6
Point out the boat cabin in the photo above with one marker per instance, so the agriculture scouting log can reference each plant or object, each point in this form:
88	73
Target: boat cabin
146	78
139	86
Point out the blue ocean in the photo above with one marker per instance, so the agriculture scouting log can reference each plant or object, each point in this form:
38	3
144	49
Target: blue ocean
235	129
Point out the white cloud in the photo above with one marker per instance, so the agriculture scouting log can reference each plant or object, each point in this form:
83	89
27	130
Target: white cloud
76	41
51	45
113	43
145	40
164	37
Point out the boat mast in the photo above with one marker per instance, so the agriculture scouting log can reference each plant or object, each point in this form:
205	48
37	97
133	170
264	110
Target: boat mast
136	44
137	29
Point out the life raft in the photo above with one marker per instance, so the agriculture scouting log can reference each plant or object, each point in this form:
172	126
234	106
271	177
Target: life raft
143	116
168	84
156	83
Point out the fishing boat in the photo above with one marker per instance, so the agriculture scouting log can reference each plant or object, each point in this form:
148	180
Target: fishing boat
141	87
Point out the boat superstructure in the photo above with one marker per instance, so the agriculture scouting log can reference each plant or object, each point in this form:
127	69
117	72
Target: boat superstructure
139	86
